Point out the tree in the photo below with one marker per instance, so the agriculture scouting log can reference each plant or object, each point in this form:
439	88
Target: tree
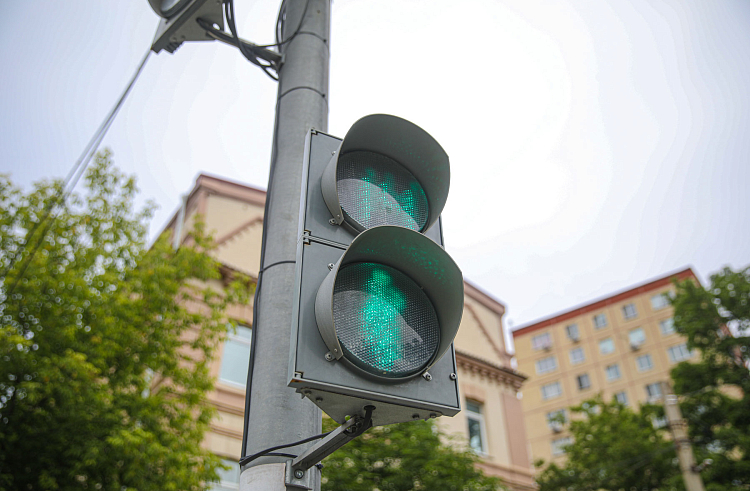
103	370
403	457
614	448
715	389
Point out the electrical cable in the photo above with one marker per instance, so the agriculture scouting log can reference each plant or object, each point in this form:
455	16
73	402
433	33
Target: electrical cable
70	182
279	22
250	458
229	14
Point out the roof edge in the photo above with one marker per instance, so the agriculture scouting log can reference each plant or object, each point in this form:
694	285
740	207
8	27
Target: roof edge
605	301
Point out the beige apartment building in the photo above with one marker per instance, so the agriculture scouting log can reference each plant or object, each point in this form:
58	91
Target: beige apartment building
491	419
621	346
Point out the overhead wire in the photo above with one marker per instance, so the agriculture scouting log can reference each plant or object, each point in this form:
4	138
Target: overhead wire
74	175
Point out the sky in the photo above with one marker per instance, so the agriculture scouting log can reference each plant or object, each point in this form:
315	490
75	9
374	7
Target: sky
593	145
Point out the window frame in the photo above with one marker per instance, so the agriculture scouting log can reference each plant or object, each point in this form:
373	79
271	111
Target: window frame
644	357
548	397
682	347
234	337
578	381
611	341
642	339
552	368
629	311
554	425
222	485
616	367
669	320
663	303
597	324
541	345
583	356
653	397
576	336
557	445
624	395
479	418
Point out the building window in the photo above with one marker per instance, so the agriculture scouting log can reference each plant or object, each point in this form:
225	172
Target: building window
636	337
558	446
572	331
629	311
550	391
653	392
236	357
644	363
678	353
622	398
475	420
612	372
556	419
229	480
541	341
577	356
659	301
546	365
606	346
584	382
600	320
666	327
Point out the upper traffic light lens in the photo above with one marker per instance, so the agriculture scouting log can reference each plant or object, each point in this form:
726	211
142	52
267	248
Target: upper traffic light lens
376	190
385	322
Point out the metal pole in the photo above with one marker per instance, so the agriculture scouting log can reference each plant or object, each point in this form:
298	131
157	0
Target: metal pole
678	426
276	414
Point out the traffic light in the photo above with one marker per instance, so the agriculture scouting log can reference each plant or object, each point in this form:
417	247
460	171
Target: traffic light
179	21
378	301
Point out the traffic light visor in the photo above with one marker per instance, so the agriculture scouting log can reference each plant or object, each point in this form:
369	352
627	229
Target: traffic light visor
392	304
387	171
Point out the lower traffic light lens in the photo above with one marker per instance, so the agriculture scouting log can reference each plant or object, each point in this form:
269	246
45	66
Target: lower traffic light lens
376	190
386	324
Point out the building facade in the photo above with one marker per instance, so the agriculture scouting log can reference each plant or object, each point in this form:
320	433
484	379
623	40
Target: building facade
491	419
621	346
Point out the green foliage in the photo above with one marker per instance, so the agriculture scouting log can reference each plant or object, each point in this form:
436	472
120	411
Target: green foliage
103	370
403	457
716	389
613	448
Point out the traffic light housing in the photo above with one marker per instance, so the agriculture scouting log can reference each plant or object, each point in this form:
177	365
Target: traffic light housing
378	301
179	21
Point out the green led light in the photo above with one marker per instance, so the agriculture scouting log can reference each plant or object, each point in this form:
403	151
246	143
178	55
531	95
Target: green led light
375	190
384	321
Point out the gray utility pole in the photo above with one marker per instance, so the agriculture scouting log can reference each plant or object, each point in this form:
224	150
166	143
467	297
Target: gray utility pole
678	425
278	415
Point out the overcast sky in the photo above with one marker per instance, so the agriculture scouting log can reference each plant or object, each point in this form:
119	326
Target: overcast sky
594	145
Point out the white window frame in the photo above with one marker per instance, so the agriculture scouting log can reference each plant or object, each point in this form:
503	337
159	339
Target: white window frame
557	445
612	372
611	341
629	311
479	418
644	368
588	381
555	425
575	361
660	301
667	322
622	397
653	391
546	365
227	485
234	337
641	339
573	332
541	341
600	321
544	390
678	353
